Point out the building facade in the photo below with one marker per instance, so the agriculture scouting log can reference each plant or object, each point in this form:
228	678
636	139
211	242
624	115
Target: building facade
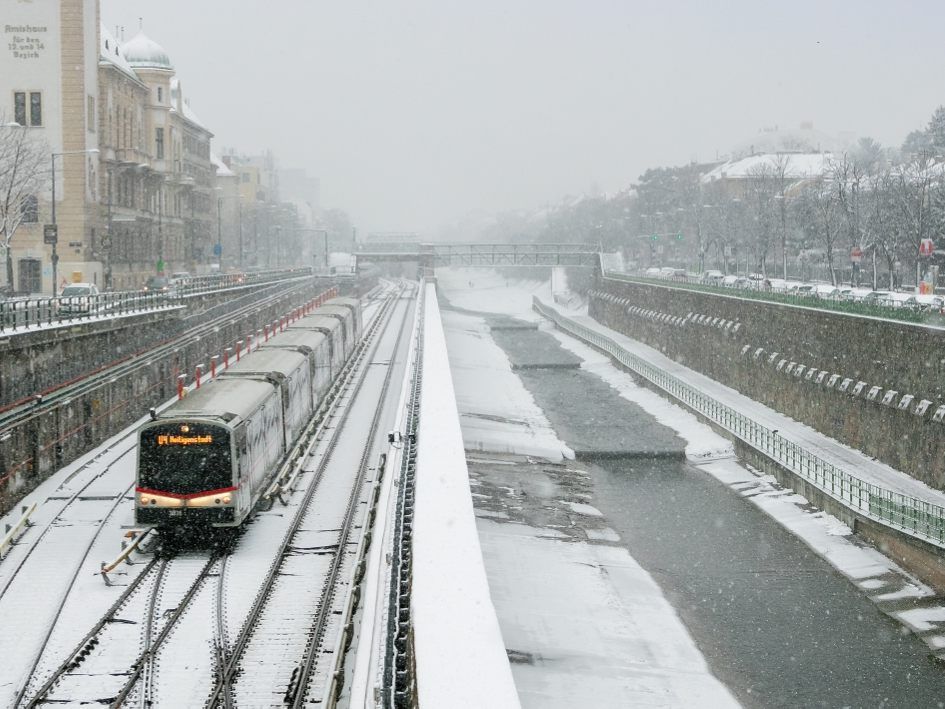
49	88
134	182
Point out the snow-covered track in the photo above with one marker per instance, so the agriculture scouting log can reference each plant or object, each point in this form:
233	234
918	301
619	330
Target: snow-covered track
56	538
122	447
115	656
269	655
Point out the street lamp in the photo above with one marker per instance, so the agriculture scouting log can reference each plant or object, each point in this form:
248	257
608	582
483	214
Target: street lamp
53	238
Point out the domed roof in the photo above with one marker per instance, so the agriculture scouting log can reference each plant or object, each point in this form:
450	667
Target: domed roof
144	53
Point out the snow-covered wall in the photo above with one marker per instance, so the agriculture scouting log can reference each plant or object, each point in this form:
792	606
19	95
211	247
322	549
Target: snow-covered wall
461	658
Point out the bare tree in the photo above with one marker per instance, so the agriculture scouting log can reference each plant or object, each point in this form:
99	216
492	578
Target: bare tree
914	192
819	214
22	176
760	194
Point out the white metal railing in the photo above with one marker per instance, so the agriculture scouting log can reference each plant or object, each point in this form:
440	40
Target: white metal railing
915	517
13	530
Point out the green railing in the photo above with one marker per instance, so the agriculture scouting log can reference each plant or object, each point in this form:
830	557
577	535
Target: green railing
917	518
838	306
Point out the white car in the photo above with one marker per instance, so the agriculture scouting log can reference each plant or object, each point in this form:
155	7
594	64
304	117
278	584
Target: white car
77	298
826	291
930	303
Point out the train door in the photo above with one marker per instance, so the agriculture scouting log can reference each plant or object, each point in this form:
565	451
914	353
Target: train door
243	468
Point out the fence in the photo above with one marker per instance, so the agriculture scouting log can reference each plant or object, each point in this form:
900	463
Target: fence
838	305
22	313
917	518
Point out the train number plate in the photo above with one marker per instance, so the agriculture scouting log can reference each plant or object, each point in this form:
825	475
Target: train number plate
175	513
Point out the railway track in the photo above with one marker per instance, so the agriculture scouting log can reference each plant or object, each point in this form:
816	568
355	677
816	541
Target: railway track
148	660
293	608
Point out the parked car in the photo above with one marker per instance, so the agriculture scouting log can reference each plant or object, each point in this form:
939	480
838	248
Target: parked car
930	303
157	284
78	298
901	300
876	297
826	291
712	277
804	289
652	272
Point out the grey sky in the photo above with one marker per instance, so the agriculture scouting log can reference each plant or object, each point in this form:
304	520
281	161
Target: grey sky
413	113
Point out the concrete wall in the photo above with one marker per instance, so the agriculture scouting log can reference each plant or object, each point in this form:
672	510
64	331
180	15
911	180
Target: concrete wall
721	336
33	449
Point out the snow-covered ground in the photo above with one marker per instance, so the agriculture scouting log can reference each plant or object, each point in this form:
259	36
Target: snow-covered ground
615	639
450	596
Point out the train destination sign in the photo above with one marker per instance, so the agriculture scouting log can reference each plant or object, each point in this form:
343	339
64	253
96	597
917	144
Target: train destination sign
174	440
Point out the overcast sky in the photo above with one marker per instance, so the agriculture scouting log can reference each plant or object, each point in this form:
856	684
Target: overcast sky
414	113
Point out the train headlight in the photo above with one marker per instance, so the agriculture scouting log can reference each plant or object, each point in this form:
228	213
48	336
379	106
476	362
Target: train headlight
226	499
144	499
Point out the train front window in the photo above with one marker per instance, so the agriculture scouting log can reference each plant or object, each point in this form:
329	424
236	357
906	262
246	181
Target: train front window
184	458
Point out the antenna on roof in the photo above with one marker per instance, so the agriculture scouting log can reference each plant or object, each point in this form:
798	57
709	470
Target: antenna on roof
140	24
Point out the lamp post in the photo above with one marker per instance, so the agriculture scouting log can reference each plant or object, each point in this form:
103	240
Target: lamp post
218	249
53	237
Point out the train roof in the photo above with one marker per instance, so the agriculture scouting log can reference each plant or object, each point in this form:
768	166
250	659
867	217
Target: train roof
268	361
334	310
316	322
225	399
293	339
345	301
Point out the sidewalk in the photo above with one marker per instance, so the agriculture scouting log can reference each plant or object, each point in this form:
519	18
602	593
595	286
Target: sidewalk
852	461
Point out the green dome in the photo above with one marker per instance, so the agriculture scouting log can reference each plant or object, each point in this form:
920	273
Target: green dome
144	53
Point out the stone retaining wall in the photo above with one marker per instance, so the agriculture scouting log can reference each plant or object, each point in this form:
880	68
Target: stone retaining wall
875	385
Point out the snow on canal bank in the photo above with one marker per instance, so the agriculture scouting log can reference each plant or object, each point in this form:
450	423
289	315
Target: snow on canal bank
584	624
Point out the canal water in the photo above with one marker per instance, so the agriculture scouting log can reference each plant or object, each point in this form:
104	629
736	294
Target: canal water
775	622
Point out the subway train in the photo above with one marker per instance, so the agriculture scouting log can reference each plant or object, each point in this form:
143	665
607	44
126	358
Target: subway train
205	461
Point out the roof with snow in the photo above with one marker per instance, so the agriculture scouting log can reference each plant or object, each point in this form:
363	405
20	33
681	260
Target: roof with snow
222	169
111	52
798	166
143	52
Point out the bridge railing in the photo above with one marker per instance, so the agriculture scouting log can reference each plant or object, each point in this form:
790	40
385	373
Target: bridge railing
907	514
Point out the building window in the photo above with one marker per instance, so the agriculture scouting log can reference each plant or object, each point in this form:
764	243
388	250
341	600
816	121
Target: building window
36	108
160	94
159	143
90	118
30	209
19	107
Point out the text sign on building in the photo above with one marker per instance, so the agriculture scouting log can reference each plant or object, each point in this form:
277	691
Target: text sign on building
25	41
50	234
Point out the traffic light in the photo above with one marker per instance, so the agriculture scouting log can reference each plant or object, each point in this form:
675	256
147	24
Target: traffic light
655	237
679	236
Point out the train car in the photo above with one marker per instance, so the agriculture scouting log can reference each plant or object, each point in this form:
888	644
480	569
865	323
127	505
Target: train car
333	330
346	317
354	305
316	348
204	461
291	373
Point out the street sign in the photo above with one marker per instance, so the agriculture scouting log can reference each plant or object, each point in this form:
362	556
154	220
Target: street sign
217	249
926	247
50	233
856	254
160	265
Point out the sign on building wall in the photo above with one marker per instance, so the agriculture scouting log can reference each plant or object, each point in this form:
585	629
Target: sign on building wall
25	42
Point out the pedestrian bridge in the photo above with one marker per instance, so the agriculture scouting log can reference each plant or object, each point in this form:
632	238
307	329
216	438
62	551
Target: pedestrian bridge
432	255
